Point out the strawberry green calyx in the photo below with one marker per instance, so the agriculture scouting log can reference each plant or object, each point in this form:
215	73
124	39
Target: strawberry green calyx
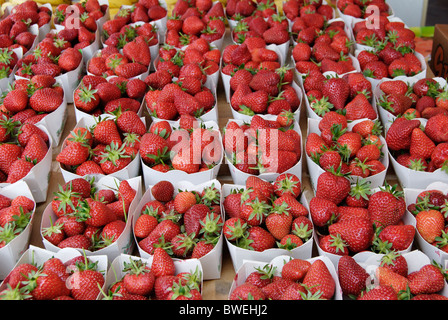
192	279
259	210
212	225
303	231
361	189
338	243
322	106
113	153
236	231
135	266
15	293
393	190
8	233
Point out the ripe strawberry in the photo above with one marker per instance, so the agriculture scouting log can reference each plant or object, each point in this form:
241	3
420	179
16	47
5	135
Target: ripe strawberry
78	241
352	277
319	280
399	236
279	221
328	183
398	136
388	277
429	279
247	291
380	292
387	206
295	269
162	263
259	239
47	286
86	282
138	278
429	224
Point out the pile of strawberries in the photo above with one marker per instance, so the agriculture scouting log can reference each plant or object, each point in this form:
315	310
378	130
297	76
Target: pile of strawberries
422	99
52	56
74	279
394	281
86	15
417	146
107	147
357	8
129	33
350	94
266	215
321	46
23	146
356	152
354	218
264	91
133	62
186	224
429	209
87	218
388	31
237	10
158	281
170	99
387	61
199	59
273	30
298	280
263	145
141	11
252	54
294	9
15	215
191	20
191	148
97	95
15	28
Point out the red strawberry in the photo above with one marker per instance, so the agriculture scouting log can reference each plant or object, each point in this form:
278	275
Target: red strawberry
162	263
357	232
319	281
352	277
387	206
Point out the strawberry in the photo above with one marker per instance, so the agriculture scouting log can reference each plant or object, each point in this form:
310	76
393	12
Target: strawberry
352	277
73	154
162	263
15	100
137	51
193	217
86	98
138	278
47	286
295	269
69	59
247	291
427	280
387	206
399	236
398	136
388	277
323	211
86	282
279	221
319	280
380	292
337	90
429	224
18	170
328	183
78	241
258	239
395	262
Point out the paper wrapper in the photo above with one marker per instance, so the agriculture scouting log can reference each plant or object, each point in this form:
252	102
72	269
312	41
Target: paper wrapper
39	176
278	262
152	176
132	170
38	256
240	177
211	262
124	244
10	253
433	252
315	170
239	255
116	273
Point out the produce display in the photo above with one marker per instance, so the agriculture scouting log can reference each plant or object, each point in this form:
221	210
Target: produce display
290	147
